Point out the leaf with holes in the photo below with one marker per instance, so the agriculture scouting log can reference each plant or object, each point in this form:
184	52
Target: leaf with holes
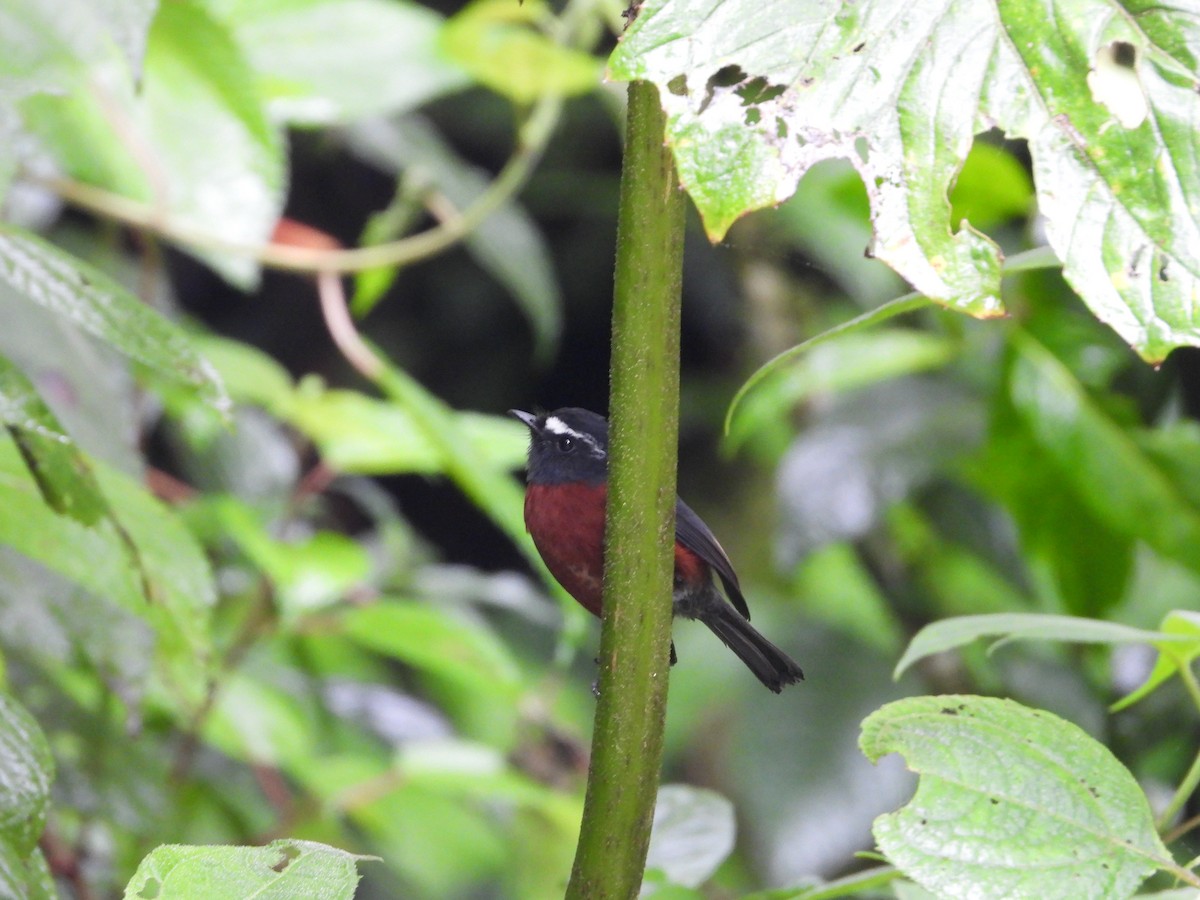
757	94
1011	802
281	869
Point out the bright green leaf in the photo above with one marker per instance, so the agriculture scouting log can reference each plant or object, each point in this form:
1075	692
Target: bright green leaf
1011	802
62	472
950	633
321	62
281	870
357	433
991	188
91	300
1172	655
248	374
900	90
306	574
258	722
494	41
434	641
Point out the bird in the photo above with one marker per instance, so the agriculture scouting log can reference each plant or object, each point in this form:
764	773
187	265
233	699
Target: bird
565	497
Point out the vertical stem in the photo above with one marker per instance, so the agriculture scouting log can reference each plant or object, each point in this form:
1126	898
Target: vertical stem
639	560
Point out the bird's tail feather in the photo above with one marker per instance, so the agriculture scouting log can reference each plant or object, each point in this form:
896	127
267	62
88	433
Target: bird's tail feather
770	665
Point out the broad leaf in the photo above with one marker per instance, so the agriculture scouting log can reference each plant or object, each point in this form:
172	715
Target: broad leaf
206	157
322	62
757	95
498	44
433	640
1011	802
950	633
282	869
68	287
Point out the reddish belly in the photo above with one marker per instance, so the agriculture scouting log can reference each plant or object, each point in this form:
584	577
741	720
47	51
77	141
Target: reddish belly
569	534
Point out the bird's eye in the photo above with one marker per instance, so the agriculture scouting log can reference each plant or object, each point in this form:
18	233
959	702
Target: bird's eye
566	443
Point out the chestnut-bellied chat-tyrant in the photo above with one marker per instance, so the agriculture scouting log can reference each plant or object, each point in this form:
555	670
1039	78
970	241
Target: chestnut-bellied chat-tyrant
564	512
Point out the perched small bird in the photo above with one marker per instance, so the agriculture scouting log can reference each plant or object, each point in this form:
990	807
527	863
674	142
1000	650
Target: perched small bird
564	512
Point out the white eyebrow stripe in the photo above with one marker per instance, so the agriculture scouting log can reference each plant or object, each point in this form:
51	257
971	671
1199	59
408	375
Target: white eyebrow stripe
556	425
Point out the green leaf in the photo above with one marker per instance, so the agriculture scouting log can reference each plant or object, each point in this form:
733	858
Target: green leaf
26	771
991	188
207	158
507	244
307	574
280	870
63	474
42	42
950	633
1172	655
432	640
361	434
323	62
494	41
851	361
1120	484
692	834
260	723
1011	802
141	558
68	287
854	885
870	318
1108	108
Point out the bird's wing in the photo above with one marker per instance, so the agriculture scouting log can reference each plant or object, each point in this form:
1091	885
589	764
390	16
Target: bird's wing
691	531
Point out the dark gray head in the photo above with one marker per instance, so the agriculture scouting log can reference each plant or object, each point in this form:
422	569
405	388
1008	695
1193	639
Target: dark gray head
567	445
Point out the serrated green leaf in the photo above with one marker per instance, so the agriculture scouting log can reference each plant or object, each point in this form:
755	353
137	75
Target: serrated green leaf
493	40
322	62
68	287
947	634
1172	656
432	640
62	472
1011	802
281	870
900	89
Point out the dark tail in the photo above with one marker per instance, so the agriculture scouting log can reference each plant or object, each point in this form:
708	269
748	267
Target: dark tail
770	665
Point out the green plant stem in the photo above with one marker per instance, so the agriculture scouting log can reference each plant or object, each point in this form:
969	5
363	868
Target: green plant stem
627	740
1191	780
531	141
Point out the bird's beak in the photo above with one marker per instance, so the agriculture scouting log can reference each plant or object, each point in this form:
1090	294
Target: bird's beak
529	419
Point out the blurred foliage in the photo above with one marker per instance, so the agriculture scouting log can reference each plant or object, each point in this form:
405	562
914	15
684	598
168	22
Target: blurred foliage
248	599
